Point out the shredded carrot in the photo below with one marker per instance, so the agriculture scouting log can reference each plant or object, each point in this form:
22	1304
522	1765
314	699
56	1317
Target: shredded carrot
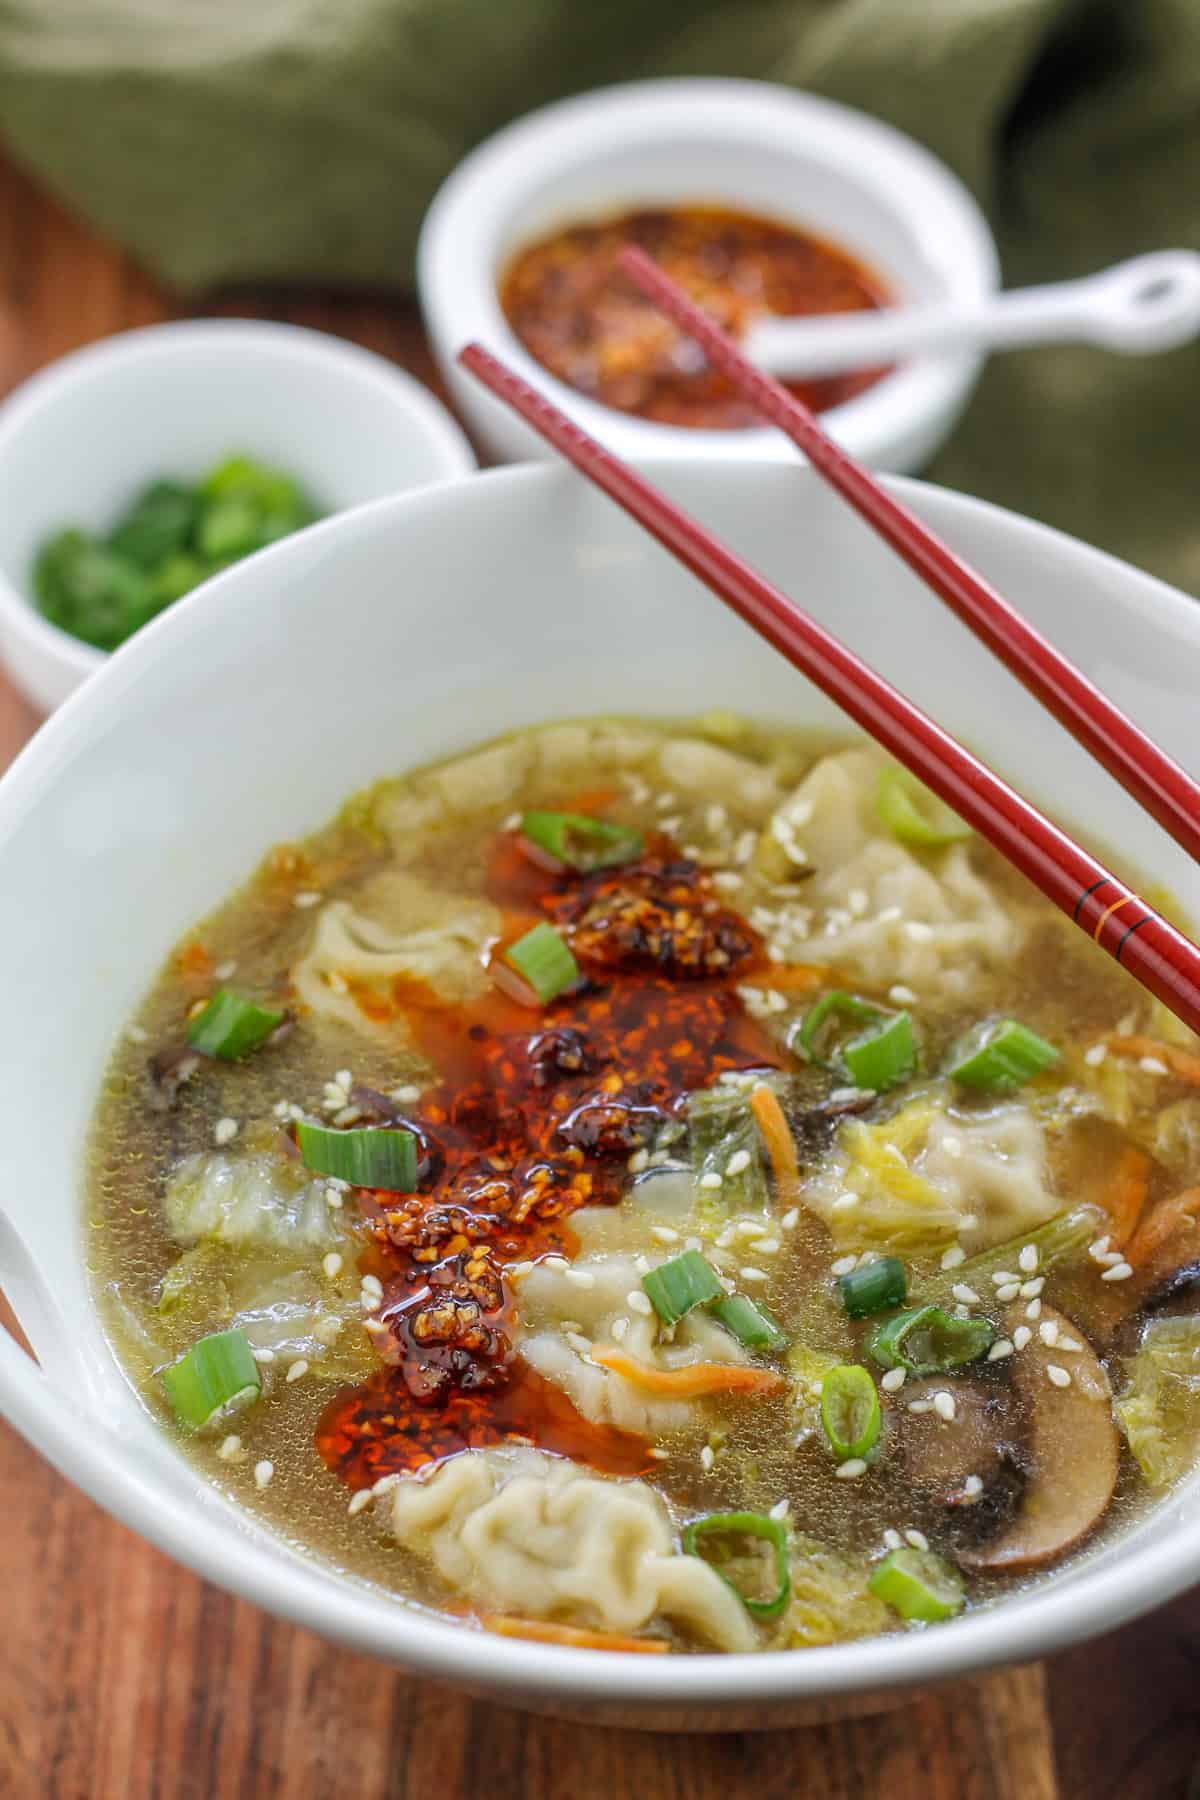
194	960
794	978
1179	1213
544	1632
592	801
777	1136
1182	1063
690	1382
1124	1198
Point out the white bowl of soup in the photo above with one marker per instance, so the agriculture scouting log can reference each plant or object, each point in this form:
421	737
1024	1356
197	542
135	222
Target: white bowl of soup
534	1154
756	198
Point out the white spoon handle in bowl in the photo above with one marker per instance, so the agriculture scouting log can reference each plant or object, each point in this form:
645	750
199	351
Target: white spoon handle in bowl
1147	304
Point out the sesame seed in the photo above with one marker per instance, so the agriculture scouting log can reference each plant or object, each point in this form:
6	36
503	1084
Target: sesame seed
1021	1337
642	1263
1069	1343
305	900
359	1502
1058	1375
692	1243
619	1327
1095	1056
1100	1247
224	1131
332	1265
385	1484
516	1271
845	1093
892	1539
1028	1259
1034	1310
851	1469
225	969
920	1406
780	1509
664	1234
1009	1291
370	1302
953	1256
845	1203
728	881
1119	1272
917	1539
711	1180
726	1238
371	1284
374	1325
750	1273
297	1369
972	1487
1031	1289
944	1405
1048	1331
658	1455
843	1265
965	1294
408	1094
638	1302
748	1228
707	1457
638	1161
230	1447
791	1219
137	1034
1000	1349
263	1472
1152	1065
582	1278
893	1381
262	1356
901	995
1002	1277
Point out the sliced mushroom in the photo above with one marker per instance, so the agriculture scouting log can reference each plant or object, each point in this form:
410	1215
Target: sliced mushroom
982	1440
1072	1448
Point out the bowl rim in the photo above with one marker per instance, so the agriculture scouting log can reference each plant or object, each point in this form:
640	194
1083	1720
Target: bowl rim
456	269
245	1561
447	443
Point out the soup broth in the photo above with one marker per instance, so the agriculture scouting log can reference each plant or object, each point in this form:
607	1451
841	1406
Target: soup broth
764	1196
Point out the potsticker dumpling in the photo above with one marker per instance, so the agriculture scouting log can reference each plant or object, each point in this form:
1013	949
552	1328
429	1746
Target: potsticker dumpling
591	1299
874	908
521	1532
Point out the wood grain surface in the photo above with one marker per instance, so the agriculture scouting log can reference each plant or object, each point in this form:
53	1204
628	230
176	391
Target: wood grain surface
124	1678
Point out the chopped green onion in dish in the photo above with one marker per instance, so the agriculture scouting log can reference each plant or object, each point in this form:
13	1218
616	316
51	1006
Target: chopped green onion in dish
172	537
543	959
927	1341
231	1026
579	842
883	1055
810	1040
919	1585
215	1375
749	1322
874	1287
850	1411
368	1158
999	1055
914	815
677	1286
720	1528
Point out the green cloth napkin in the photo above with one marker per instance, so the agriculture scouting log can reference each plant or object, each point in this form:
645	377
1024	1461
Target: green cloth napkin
302	139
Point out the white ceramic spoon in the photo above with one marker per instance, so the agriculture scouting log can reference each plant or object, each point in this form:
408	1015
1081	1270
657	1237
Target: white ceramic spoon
1147	304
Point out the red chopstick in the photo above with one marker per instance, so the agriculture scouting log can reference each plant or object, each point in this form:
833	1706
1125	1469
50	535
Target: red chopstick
1132	932
1154	779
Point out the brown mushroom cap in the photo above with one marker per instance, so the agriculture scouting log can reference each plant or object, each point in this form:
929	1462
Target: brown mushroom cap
1072	1449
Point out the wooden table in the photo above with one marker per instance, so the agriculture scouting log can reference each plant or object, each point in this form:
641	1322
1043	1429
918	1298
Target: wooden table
122	1677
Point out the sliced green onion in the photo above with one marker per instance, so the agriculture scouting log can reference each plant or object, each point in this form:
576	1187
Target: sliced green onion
218	1372
370	1158
544	960
810	1040
998	1055
874	1287
676	1286
746	1524
850	1411
918	1585
914	815
231	1026
580	842
749	1322
927	1341
883	1055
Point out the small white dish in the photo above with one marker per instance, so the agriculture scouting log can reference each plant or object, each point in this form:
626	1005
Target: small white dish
406	631
79	439
743	144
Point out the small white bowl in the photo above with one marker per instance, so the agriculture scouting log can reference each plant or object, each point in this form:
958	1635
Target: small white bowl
80	438
746	144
